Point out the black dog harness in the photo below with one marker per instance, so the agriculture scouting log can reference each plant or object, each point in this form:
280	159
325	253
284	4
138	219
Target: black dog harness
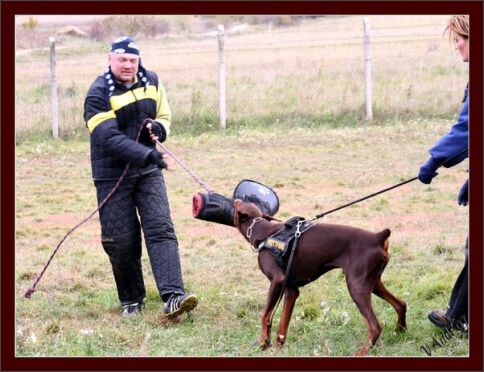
284	241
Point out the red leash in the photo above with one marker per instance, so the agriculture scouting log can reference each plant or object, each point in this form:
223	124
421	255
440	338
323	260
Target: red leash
199	181
32	288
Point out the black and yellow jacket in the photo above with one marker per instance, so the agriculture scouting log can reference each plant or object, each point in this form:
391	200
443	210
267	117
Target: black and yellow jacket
114	124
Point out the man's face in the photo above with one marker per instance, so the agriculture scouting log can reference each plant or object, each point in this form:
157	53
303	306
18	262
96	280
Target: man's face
124	66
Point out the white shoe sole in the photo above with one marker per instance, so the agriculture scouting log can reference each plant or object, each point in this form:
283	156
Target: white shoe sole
187	304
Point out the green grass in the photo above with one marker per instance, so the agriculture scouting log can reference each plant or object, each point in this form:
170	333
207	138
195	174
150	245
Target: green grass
75	311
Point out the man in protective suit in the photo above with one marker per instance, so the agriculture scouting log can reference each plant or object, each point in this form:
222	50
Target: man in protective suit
117	107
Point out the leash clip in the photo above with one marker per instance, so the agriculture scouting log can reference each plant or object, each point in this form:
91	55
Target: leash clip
298	231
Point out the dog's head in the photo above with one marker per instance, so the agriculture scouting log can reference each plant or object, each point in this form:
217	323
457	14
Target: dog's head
245	213
249	220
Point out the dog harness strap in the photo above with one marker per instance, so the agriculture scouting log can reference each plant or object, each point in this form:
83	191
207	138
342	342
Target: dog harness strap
300	222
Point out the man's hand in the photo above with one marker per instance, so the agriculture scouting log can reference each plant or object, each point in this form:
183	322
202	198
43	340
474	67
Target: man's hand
156	157
156	131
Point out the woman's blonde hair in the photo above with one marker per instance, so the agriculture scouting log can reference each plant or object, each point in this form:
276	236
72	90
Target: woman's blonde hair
458	25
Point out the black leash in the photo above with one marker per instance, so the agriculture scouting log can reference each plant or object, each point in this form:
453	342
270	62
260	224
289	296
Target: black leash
364	198
384	190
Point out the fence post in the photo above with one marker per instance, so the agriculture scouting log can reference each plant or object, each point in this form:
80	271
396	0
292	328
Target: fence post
53	90
368	88
221	76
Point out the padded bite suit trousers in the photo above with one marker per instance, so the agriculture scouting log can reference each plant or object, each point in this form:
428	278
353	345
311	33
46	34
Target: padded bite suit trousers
139	204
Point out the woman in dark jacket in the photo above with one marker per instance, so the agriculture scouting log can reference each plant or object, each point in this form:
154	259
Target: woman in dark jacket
125	110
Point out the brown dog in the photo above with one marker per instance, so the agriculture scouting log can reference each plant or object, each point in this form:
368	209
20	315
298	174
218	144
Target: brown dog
361	254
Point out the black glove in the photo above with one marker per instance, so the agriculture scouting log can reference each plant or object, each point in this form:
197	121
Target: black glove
463	197
156	157
158	130
428	171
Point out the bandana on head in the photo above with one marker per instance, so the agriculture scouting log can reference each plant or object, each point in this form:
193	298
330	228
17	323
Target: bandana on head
120	46
123	45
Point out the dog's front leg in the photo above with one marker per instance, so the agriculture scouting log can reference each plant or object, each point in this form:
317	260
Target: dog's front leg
276	276
266	321
290	296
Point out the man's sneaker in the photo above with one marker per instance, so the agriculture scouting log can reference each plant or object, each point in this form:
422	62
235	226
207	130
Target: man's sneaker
178	304
132	309
440	319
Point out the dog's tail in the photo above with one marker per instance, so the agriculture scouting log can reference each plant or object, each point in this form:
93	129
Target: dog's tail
383	237
384	234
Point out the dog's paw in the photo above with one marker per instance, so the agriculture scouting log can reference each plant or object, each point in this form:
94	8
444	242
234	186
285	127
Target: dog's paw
280	341
400	328
265	344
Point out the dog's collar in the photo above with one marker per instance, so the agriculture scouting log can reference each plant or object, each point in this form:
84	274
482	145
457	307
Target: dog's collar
249	229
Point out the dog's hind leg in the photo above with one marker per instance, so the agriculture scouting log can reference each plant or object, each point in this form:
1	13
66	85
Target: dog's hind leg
290	296
399	305
360	290
380	290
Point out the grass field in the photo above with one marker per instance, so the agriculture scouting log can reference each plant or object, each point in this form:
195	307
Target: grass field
75	309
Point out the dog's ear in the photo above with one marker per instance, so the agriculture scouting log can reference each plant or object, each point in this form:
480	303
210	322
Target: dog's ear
237	203
269	218
241	217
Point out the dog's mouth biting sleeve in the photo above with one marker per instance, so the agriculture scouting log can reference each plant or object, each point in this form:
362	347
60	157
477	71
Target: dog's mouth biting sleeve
217	208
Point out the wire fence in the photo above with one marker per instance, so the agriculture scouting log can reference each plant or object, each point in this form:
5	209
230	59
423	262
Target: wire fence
305	76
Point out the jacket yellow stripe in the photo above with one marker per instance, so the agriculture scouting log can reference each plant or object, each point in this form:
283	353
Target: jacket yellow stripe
132	96
118	102
99	118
